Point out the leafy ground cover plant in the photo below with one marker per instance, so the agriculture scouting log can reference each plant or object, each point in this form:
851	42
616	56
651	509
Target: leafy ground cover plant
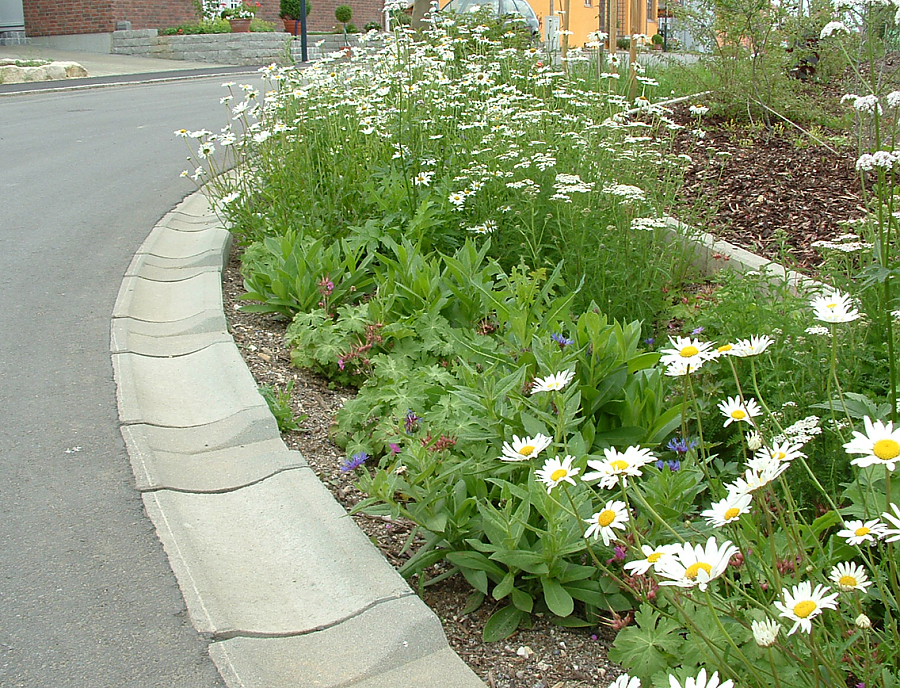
505	413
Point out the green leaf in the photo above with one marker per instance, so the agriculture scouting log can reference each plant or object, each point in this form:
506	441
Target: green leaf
520	559
646	647
522	600
473	602
477	579
558	600
504	587
502	624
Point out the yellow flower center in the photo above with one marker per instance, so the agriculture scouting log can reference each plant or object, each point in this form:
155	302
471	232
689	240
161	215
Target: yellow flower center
725	347
558	474
527	450
653	558
830	305
689	351
604	518
804	609
738	414
847	582
733	512
886	449
859	532
781	456
694	569
619	465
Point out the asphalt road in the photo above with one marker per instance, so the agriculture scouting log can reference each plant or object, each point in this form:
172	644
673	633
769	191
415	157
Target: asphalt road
87	597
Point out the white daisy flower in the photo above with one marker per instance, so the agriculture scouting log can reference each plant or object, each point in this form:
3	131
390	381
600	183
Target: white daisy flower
626	681
652	558
857	532
757	477
423	178
725	350
781	451
698	110
754	440
879	446
692	565
849	576
834	307
525	448
553	382
555	471
892	534
735	411
618	464
802	604
687	349
701	681
765	632
751	347
613	517
682	368
728	510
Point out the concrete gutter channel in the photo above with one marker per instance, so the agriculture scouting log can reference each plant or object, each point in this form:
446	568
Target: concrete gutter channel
273	570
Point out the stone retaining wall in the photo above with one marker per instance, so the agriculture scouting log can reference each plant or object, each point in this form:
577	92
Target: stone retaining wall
217	48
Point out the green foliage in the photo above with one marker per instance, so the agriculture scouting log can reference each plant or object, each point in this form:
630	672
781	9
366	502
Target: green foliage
217	25
343	13
290	9
279	402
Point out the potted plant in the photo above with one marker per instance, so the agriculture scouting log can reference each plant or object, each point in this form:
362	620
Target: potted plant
344	13
240	17
657	41
290	15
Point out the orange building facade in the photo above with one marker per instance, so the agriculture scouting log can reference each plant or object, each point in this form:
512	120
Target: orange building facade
617	18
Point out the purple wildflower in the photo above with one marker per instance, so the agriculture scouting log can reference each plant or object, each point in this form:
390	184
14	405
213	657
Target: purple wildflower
649	341
354	461
395	448
680	445
697	330
562	340
671	465
411	423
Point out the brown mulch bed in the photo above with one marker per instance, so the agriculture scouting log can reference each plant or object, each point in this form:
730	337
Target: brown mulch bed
773	195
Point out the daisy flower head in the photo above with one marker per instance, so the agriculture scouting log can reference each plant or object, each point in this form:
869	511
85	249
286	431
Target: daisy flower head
751	347
879	445
834	307
696	565
555	471
618	465
802	604
892	534
687	349
525	448
626	681
849	576
553	383
698	109
757	477
604	523
701	681
765	632
735	411
781	452
728	510
653	556
857	532
684	367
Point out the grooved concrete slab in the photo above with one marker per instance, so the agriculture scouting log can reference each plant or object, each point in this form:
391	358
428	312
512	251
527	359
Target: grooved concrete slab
169	269
216	470
167	339
352	653
167	243
152	301
195	389
183	223
275	558
197	204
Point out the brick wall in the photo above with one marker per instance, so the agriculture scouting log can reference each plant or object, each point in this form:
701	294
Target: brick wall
53	18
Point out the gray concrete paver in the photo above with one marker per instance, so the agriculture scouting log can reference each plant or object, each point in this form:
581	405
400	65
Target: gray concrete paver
274	558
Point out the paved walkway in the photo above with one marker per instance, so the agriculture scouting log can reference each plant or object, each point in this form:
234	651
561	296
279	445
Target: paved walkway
274	574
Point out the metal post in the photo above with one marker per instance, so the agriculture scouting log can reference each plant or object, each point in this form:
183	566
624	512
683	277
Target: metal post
303	54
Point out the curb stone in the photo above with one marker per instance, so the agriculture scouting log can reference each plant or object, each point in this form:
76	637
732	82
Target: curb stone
288	588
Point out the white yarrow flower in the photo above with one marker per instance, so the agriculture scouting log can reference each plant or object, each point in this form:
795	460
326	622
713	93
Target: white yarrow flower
765	632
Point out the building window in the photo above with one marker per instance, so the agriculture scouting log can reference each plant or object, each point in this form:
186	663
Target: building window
587	3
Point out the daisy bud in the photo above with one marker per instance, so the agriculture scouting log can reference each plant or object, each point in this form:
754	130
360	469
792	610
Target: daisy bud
863	622
765	632
754	441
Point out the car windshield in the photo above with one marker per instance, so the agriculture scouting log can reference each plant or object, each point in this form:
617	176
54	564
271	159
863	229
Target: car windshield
502	8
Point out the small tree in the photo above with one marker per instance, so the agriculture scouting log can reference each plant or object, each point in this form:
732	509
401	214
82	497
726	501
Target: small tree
343	13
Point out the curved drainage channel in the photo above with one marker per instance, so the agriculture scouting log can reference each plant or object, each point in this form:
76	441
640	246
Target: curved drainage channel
286	586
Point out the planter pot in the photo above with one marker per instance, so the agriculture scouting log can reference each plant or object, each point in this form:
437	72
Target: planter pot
346	49
239	25
292	26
